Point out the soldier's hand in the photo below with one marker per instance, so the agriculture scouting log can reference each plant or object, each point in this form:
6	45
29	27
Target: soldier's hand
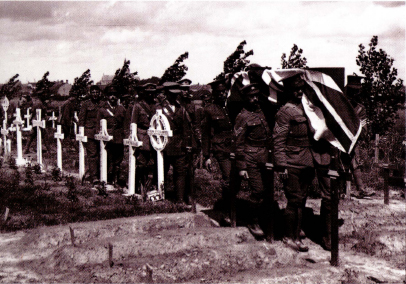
207	165
243	174
284	175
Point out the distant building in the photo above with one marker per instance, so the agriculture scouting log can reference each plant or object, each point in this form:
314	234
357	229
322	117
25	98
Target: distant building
105	80
61	88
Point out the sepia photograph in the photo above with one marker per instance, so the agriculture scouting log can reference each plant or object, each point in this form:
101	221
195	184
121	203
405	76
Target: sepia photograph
202	142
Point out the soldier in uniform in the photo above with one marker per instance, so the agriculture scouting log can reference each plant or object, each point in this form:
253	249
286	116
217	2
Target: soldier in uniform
300	158
217	137
186	102
252	143
67	117
142	113
293	156
175	150
114	114
88	119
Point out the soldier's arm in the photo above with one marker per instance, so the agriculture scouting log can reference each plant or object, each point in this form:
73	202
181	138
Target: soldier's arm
280	135
82	115
240	130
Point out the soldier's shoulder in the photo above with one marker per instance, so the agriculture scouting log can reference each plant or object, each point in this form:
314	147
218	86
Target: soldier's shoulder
287	108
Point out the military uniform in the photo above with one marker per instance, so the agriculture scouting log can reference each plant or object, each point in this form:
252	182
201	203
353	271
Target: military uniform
115	148
217	139
88	119
146	167
293	152
252	143
68	109
175	150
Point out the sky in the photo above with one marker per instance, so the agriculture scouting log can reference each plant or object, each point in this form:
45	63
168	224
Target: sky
68	37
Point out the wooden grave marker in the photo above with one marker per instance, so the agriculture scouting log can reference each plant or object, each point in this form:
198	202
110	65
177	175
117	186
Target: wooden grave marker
103	137
132	142
80	137
18	122
59	136
39	124
159	131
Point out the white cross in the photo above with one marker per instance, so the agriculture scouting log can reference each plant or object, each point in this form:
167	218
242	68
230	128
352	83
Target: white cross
18	123
59	135
5	104
53	118
28	116
39	124
4	132
81	138
103	137
132	142
159	131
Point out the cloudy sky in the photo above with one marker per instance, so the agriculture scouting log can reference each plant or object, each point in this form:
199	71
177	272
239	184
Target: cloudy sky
68	37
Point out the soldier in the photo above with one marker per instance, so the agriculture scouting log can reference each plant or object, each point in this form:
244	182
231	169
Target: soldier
253	141
352	160
88	119
217	138
142	113
114	114
175	150
186	102
67	117
28	102
293	156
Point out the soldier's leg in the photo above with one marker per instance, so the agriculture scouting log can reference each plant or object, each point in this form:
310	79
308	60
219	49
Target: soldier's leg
179	176
117	160
93	158
295	187
256	194
325	208
223	159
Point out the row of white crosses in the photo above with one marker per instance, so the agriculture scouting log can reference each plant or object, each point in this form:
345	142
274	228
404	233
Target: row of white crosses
159	132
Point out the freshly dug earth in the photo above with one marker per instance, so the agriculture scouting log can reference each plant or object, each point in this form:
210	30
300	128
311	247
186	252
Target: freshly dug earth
192	248
177	246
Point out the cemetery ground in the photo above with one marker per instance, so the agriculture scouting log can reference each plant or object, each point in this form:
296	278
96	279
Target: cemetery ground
60	231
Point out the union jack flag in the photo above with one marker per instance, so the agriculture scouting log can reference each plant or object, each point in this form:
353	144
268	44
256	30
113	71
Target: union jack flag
331	115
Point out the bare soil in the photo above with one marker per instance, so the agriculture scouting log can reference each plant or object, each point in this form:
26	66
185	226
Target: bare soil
182	247
192	248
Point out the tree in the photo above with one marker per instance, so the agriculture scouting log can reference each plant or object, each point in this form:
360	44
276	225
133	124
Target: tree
295	59
81	85
175	72
124	80
235	62
12	88
381	93
43	88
